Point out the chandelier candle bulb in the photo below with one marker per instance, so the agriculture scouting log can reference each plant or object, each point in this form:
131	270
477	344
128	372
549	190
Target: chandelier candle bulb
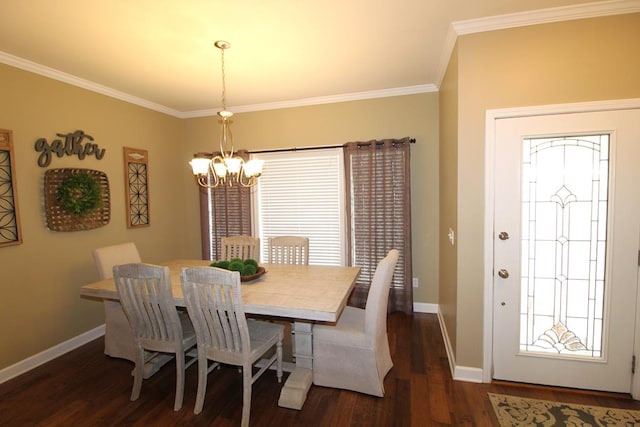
253	167
220	169
200	165
233	164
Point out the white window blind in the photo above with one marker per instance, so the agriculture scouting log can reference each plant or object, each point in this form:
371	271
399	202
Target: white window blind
302	194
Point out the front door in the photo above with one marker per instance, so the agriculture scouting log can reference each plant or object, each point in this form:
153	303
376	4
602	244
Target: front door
567	227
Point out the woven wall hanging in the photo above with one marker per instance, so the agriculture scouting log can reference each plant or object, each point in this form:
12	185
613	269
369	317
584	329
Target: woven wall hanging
76	199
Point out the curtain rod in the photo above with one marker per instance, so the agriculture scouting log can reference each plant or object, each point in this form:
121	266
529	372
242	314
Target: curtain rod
321	147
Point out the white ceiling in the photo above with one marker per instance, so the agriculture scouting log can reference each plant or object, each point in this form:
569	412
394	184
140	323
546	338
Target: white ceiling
160	53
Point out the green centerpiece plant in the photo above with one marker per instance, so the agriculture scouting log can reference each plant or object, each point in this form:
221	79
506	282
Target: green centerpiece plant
247	267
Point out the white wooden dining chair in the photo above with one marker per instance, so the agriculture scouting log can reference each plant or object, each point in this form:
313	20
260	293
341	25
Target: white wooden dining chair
354	353
288	250
118	336
242	247
147	300
214	302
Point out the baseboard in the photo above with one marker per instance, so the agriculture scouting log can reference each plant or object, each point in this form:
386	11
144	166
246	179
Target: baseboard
468	374
447	344
423	307
49	354
459	373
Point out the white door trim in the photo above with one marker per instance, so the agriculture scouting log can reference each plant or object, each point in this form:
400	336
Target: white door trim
490	144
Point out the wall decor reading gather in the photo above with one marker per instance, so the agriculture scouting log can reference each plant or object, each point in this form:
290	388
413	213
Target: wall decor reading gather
76	143
76	199
136	182
9	218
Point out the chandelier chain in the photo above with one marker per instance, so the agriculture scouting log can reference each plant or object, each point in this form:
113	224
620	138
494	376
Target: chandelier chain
224	82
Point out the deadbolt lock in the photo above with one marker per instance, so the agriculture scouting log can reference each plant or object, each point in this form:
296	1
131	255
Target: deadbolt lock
503	235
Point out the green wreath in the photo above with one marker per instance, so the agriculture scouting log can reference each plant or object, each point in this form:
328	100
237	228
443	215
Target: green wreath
79	194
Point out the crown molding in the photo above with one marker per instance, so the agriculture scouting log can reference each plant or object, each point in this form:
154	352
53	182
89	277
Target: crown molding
358	96
499	22
545	16
445	56
42	70
522	19
24	64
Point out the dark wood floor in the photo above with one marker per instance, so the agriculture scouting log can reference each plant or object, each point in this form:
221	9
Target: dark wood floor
87	388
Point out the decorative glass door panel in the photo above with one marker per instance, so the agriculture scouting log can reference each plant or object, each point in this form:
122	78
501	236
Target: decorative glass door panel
564	222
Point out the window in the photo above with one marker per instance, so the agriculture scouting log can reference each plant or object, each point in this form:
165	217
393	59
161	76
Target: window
379	190
301	193
224	211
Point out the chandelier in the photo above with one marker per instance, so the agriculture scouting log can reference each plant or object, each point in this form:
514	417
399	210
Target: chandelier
225	167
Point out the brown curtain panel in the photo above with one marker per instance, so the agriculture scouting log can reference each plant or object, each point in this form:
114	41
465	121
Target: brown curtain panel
224	211
379	215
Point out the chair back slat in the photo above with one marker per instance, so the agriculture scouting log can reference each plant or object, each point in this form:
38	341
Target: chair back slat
147	300
288	250
242	247
214	301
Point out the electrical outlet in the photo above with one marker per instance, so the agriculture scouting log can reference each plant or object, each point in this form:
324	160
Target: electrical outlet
416	283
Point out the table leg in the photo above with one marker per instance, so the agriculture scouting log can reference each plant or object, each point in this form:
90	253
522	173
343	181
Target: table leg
294	392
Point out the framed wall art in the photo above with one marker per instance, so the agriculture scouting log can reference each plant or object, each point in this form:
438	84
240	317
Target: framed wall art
10	233
136	179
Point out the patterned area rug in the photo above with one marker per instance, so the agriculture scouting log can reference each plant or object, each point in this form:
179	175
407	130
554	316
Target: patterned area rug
520	412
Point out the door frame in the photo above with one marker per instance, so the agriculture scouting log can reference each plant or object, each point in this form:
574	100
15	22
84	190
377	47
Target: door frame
489	185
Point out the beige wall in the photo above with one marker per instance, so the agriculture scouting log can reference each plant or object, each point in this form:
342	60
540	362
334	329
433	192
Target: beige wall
575	61
448	189
39	279
334	124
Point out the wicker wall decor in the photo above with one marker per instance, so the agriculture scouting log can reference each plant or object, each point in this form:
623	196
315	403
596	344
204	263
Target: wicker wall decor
60	218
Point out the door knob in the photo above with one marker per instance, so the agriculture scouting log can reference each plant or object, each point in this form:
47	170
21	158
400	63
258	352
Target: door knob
503	235
503	273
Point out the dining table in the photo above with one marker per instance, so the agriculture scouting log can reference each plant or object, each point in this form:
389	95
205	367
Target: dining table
306	294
